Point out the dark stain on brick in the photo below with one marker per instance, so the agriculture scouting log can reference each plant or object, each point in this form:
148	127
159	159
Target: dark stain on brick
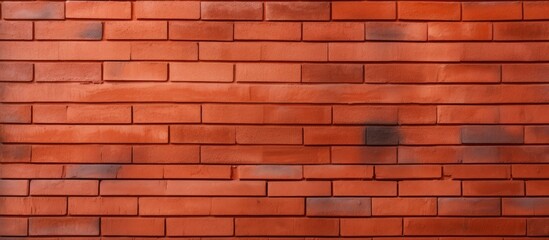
92	171
93	32
382	135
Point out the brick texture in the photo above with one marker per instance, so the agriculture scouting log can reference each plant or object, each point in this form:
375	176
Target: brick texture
264	119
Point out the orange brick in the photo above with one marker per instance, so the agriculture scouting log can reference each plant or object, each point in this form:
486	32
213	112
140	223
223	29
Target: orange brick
13	226
518	31
469	207
164	51
300	188
371	227
165	154
267	31
365	115
33	205
537	188
230	51
31	171
94	51
334	31
531	171
81	154
408	172
81	114
182	188
264	154
474	11
64	187
334	135
181	113
292	52
363	10
211	31
136	71
418	73
267	72
493	188
60	226
364	188
477	171
203	134
362	155
14	188
450	11
201	72
331	207
196	172
464	226
429	188
429	135
33	10
136	30
28	50
154	206
15	153
332	73
525	73
377	51
270	172
102	206
444	31
16	72
294	11
503	52
167	10
536	10
265	114
15	114
338	172
257	206
396	31
232	10
99	9
15	30
404	206
68	30
269	135
199	227
417	114
67	72
286	227
132	226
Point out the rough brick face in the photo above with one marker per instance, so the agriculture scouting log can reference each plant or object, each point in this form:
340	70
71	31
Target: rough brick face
328	119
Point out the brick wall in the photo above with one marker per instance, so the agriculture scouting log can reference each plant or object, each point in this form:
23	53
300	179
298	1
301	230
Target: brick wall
372	119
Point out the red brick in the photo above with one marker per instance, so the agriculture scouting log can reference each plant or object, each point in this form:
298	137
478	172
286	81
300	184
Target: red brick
266	51
60	226
333	207
84	134
166	113
468	114
264	154
15	30
196	172
199	227
15	153
420	73
182	188
361	155
404	206
408	172
230	51
167	10
164	51
297	11
31	171
363	10
477	171
417	114
525	206
266	114
338	172
201	72
429	135
364	188
63	187
81	114
334	135
68	30
333	31
33	205
464	226
232	10
94	51
99	9
300	188
530	171
15	114
492	134
14	188
474	11
102	206
531	51
257	206
136	71
153	206
429	11
13	226
269	135
505	154
16	72
365	115
136	30
371	227
469	207
267	72
211	31
429	188
396	31
68	72
377	51
203	134
525	73
443	31
33	10
81	154
537	227
267	31
332	73
522	31
537	188
27	50
286	227
132	226
536	134
493	188
165	154
535	10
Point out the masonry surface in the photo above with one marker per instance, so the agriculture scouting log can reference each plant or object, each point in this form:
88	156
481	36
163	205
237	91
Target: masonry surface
376	120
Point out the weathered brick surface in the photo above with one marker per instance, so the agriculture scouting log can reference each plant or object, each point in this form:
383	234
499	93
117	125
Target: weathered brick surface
264	119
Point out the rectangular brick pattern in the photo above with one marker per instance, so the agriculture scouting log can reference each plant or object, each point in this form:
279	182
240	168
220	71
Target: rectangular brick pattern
180	119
